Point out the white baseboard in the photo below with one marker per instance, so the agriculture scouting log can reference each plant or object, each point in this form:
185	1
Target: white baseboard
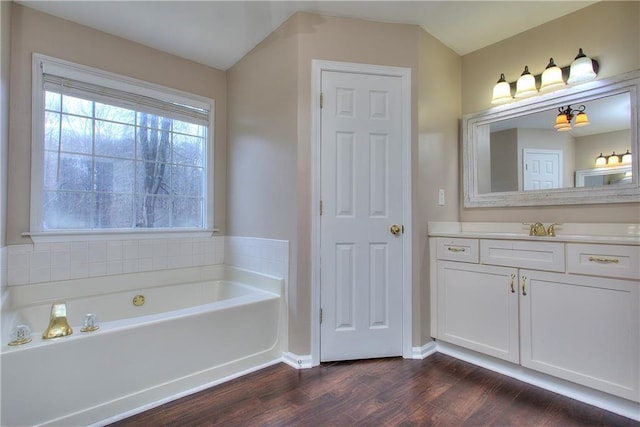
606	401
425	351
297	361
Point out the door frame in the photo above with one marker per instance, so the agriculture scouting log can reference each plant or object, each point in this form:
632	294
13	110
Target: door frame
317	67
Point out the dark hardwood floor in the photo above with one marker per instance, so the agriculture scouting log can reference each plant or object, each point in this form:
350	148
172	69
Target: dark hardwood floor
438	390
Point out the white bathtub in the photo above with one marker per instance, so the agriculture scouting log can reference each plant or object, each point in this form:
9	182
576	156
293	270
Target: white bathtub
220	323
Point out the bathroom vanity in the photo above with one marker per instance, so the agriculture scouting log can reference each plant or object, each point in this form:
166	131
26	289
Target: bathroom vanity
567	306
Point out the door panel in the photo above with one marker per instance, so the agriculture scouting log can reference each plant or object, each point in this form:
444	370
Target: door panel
361	192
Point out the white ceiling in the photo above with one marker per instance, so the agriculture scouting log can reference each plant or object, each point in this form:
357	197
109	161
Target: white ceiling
219	33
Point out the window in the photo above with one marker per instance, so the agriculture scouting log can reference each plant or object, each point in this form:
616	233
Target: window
113	153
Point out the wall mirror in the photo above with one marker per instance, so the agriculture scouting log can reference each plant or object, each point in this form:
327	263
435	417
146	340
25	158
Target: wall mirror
515	156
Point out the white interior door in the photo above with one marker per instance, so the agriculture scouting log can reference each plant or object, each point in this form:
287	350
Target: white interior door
361	192
542	169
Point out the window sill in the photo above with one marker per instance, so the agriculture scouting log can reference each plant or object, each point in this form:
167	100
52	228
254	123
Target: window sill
59	236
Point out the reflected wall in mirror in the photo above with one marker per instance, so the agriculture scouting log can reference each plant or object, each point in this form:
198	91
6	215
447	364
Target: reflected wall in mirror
515	156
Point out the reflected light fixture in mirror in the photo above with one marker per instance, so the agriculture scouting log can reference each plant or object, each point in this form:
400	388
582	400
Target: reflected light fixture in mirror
526	84
501	91
566	114
613	159
551	77
626	157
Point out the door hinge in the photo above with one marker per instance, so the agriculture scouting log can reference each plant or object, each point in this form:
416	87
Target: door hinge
321	100
320	207
321	316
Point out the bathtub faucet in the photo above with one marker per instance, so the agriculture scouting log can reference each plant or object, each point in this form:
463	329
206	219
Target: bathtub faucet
58	325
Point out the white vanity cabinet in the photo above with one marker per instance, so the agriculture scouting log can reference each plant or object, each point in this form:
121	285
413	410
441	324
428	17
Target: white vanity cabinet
478	308
568	310
582	329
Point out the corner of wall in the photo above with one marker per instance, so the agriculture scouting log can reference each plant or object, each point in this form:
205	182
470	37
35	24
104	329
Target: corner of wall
5	40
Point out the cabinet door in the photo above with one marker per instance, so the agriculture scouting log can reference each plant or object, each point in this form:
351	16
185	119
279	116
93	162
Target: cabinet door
478	308
583	329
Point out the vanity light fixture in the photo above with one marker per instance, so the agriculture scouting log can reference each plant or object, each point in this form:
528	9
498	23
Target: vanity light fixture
601	161
626	157
501	91
582	69
566	114
526	84
551	77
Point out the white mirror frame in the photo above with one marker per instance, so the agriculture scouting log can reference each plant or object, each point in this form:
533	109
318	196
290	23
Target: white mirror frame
619	193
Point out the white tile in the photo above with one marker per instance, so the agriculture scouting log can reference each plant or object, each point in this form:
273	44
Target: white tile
60	259
17	275
97	252
130	266
130	250
114	267
199	259
79	253
60	272
160	249
160	263
145	249
114	251
97	269
40	274
145	264
78	270
40	259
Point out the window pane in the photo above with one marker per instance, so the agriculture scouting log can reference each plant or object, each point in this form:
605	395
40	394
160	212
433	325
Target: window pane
114	211
153	211
187	181
77	134
154	122
187	212
188	150
188	128
115	114
152	178
64	210
51	131
113	175
67	172
154	145
115	140
78	106
52	101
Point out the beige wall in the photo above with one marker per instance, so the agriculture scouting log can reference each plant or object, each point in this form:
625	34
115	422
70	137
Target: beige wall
33	31
262	132
5	59
607	31
438	93
266	72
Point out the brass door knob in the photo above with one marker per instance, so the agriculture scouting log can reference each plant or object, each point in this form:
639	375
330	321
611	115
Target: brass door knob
395	229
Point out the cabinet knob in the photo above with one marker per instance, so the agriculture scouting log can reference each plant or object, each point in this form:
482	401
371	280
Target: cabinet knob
511	284
524	285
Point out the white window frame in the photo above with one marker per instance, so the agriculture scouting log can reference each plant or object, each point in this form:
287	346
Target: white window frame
95	76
